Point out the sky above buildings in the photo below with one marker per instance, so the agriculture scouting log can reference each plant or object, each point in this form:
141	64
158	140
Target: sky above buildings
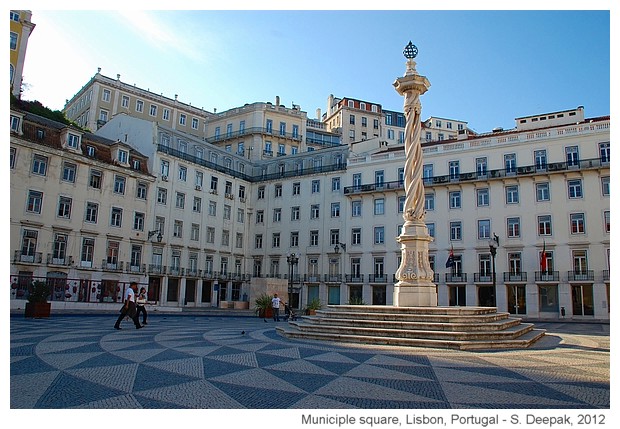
485	67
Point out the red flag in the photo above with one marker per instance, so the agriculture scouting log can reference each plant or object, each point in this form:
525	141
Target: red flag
543	259
450	261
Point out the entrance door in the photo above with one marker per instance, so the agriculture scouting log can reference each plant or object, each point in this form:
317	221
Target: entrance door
486	296
378	295
519	301
457	296
190	291
583	300
154	289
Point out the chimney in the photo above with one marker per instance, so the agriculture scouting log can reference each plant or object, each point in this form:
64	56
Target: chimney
277	100
318	114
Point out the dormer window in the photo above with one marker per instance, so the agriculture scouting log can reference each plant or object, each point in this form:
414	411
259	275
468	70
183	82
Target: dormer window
90	151
73	141
16	124
123	156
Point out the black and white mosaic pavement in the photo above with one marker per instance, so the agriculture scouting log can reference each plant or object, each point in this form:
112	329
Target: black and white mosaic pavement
241	363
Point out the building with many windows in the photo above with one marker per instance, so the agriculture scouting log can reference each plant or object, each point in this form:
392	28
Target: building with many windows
220	224
21	28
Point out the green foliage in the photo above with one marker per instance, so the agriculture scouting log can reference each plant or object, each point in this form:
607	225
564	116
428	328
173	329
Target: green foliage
40	292
357	300
36	108
315	304
262	303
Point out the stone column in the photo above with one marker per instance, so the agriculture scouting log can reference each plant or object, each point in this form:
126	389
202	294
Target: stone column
415	287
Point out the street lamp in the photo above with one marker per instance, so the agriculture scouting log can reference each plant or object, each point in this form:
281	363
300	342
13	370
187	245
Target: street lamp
493	245
292	260
159	236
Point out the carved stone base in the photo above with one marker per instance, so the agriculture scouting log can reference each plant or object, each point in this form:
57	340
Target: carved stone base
415	287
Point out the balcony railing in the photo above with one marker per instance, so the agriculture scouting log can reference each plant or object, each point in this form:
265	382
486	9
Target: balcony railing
581	276
31	258
515	277
350	278
483	278
111	266
157	269
332	278
548	276
64	261
250	131
484	175
375	278
456	277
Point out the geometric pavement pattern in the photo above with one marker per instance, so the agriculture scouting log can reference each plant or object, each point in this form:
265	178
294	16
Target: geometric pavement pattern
225	362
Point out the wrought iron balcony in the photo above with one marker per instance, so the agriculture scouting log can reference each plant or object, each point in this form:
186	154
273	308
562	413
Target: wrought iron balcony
483	278
111	266
375	278
65	261
456	277
157	269
29	258
515	277
332	278
547	276
581	276
358	278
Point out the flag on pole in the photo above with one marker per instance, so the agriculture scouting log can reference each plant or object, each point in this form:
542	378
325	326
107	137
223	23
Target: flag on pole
543	259
450	261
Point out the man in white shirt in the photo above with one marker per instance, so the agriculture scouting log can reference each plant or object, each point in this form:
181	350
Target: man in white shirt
275	305
129	307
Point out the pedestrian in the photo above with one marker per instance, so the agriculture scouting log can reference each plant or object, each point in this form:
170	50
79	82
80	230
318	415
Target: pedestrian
140	305
129	307
275	305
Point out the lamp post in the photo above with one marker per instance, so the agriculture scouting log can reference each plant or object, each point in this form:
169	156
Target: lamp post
493	245
292	260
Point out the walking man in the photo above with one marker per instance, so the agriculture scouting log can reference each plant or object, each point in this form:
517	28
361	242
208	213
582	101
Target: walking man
129	307
275	305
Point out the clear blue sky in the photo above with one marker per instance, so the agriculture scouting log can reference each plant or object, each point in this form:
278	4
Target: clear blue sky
485	67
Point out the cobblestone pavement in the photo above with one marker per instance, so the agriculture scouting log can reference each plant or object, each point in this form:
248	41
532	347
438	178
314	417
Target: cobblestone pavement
240	362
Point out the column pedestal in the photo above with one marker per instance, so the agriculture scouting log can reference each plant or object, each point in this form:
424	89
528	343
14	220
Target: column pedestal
415	286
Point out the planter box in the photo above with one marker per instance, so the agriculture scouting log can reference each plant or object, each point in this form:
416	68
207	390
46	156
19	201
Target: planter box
38	310
266	313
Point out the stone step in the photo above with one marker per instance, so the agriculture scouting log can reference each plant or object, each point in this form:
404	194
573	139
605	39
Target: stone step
457	317
508	333
523	341
423	325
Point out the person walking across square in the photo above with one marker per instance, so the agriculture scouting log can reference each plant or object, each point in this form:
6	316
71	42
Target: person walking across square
275	305
140	305
129	307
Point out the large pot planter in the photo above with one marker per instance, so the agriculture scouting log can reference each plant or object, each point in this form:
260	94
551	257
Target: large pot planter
265	313
38	310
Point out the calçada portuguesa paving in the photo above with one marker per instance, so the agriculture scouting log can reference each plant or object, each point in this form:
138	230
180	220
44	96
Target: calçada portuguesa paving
224	362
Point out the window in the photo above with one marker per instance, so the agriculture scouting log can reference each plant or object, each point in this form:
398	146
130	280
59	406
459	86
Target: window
194	123
105	95
335	209
455	231
603	149
314	211
544	225
116	217
138	221
542	192
165	169
316	186
260	216
510	163
296	188
481	167
182	173
275	240
88	250
577	223
15	121
540	159
482	197
212	210
572	156
139	106
60	248
64	207
574	188
513	227
484	229
165	114
379	206
119	185
214	184
314	238
240	215
512	194
294	239
379	234
356	208
239	242
195	232
295	213
141	190
454	169
95	179
68	172
180	200
39	165
401	203
162	195
182	119
13	41
605	185
197	205
92	210
125	101
429	202
278	190
73	141
13	154
455	199
210	234
258	241
241	192
136	257
607	221
356	236
177	229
